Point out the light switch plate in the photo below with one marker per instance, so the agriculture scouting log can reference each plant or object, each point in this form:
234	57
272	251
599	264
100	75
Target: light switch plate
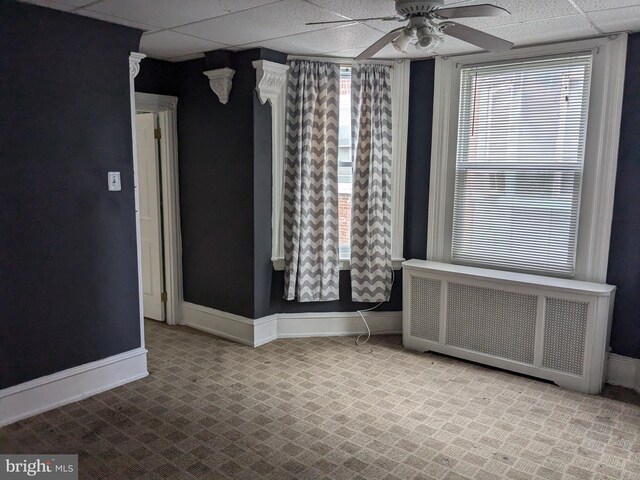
114	181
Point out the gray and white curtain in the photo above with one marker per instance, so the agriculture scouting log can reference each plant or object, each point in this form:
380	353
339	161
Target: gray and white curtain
371	269
311	255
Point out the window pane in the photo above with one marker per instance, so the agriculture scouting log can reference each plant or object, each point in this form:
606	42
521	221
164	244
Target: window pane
344	163
521	137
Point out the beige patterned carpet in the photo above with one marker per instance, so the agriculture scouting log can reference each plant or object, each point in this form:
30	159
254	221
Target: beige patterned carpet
324	409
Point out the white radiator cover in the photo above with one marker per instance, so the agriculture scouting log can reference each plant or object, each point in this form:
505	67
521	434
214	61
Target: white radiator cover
545	327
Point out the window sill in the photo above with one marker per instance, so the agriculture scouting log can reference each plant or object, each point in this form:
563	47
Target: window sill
396	263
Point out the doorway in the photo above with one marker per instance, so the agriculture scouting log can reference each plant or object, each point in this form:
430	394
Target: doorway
150	207
158	209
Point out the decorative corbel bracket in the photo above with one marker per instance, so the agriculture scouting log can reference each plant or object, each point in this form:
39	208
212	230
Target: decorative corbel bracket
134	63
220	82
270	80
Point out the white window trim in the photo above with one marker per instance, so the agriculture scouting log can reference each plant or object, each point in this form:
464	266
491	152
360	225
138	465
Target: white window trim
601	152
400	74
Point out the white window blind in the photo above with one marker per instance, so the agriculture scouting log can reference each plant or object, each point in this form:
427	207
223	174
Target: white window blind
520	151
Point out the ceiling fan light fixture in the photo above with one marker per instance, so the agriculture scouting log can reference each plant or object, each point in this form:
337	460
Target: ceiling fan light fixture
403	40
429	37
429	23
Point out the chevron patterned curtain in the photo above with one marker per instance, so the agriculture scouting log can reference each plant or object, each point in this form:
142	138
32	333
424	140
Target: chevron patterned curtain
371	269
311	183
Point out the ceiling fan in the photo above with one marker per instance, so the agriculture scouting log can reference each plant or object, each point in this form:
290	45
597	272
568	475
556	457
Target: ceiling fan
424	33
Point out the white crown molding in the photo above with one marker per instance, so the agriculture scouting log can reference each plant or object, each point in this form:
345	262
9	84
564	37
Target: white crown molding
220	81
60	388
270	80
134	63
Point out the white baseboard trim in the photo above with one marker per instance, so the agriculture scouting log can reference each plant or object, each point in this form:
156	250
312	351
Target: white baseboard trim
623	371
265	330
256	332
60	388
223	324
337	324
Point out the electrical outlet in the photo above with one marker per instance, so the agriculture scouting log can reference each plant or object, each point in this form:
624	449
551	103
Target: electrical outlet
114	181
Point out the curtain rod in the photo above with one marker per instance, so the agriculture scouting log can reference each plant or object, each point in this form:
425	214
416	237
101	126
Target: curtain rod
344	61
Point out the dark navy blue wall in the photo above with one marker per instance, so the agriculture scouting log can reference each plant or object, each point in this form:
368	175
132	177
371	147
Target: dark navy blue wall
624	253
225	184
215	144
418	158
68	271
159	77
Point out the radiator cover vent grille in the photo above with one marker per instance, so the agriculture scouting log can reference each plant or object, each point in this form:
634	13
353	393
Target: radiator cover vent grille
425	308
565	332
496	322
552	328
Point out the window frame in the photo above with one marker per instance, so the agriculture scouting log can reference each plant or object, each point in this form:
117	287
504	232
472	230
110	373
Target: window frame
400	74
601	148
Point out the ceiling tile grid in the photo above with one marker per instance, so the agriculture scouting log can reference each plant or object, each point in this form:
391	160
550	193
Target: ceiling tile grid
284	18
52	4
168	44
172	13
177	30
318	42
616	19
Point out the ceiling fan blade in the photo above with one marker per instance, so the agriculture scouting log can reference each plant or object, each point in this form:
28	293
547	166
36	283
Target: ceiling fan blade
356	20
476	37
380	44
484	10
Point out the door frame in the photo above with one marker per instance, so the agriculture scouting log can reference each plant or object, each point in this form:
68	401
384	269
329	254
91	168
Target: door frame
166	108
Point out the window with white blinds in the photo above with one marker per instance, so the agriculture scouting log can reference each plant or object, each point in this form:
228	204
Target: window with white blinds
519	163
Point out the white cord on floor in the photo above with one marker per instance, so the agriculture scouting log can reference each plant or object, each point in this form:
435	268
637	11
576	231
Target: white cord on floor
368	333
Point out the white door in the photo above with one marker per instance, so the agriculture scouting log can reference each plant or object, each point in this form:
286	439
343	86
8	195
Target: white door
150	226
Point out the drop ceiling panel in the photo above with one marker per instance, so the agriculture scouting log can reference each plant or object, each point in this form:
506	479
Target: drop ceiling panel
521	11
184	58
280	24
354	36
595	5
168	44
453	46
385	26
70	3
111	19
617	19
348	53
358	8
170	13
287	17
51	4
573	26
